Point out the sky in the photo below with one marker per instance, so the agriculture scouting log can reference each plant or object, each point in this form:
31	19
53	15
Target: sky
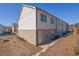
68	12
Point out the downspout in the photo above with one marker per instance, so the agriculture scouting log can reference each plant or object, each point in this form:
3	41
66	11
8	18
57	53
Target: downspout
36	30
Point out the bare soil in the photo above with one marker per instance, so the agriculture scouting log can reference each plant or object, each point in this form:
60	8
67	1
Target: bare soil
66	46
17	47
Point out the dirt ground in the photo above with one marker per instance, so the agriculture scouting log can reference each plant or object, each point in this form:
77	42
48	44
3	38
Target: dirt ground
65	46
17	47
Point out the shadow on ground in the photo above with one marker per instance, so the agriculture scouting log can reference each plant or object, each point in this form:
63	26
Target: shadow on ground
57	37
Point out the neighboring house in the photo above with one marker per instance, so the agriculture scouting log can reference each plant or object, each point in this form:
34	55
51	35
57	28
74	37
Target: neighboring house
14	27
8	30
77	26
2	29
38	26
71	28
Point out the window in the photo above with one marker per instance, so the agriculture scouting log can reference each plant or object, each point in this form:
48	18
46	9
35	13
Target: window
58	22
43	18
52	21
61	23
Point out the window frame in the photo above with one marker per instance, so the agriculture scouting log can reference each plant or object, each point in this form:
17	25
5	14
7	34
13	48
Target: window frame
43	18
52	20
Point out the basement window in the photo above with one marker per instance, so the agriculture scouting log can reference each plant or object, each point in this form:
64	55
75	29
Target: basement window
43	18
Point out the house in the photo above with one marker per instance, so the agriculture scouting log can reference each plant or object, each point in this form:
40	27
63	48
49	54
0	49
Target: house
2	29
8	30
77	27
14	27
38	26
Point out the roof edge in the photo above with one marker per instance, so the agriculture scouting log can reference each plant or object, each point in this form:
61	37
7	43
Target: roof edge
34	7
28	6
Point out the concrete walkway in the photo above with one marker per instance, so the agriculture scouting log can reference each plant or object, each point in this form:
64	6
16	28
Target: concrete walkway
45	47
